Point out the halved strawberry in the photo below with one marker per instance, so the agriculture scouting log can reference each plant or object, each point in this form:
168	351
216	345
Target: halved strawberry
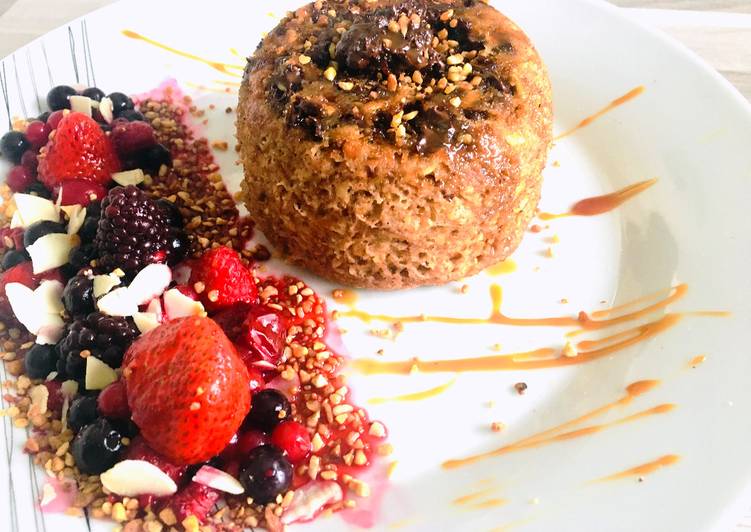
187	389
79	149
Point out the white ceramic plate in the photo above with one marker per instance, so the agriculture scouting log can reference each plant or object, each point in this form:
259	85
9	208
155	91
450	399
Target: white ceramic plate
690	129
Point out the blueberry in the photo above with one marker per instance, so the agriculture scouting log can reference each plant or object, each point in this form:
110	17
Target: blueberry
44	116
267	473
14	257
13	145
82	412
81	256
151	159
131	115
179	245
39	229
78	296
268	408
97	447
171	211
40	361
59	97
38	189
120	103
94	93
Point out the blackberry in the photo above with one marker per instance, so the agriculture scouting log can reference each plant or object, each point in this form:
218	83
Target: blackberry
78	295
134	231
104	337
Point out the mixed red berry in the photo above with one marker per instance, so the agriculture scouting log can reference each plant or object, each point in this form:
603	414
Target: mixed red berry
183	377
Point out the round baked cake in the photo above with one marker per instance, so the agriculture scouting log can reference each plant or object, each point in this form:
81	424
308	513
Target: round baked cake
394	143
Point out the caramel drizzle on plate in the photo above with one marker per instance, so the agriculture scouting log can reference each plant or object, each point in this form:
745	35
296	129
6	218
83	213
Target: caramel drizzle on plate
414	396
602	204
225	68
630	95
643	469
567	431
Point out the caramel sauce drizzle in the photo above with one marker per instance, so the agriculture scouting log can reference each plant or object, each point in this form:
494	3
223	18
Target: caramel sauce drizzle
497	317
567	430
225	68
415	396
643	469
602	204
502	268
471	497
630	95
344	296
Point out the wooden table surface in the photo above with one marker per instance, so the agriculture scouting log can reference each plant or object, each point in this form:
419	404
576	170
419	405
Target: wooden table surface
719	31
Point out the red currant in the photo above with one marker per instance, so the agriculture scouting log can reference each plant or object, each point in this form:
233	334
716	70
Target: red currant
292	438
113	402
19	179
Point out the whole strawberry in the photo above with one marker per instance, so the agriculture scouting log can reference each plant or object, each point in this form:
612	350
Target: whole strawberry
223	279
79	149
187	389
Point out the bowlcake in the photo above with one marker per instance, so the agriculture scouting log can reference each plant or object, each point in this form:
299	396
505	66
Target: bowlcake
394	143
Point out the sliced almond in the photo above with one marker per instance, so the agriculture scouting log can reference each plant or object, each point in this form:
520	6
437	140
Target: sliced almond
80	104
118	302
98	374
129	177
103	284
105	108
33	209
310	499
146	321
178	305
150	283
219	480
130	478
51	251
76	216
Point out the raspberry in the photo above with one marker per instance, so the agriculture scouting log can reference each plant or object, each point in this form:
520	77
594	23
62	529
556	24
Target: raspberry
130	137
225	279
133	232
194	499
104	337
113	402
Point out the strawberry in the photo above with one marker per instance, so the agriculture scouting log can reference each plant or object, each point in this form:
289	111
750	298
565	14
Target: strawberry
194	499
187	389
139	450
78	150
225	279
